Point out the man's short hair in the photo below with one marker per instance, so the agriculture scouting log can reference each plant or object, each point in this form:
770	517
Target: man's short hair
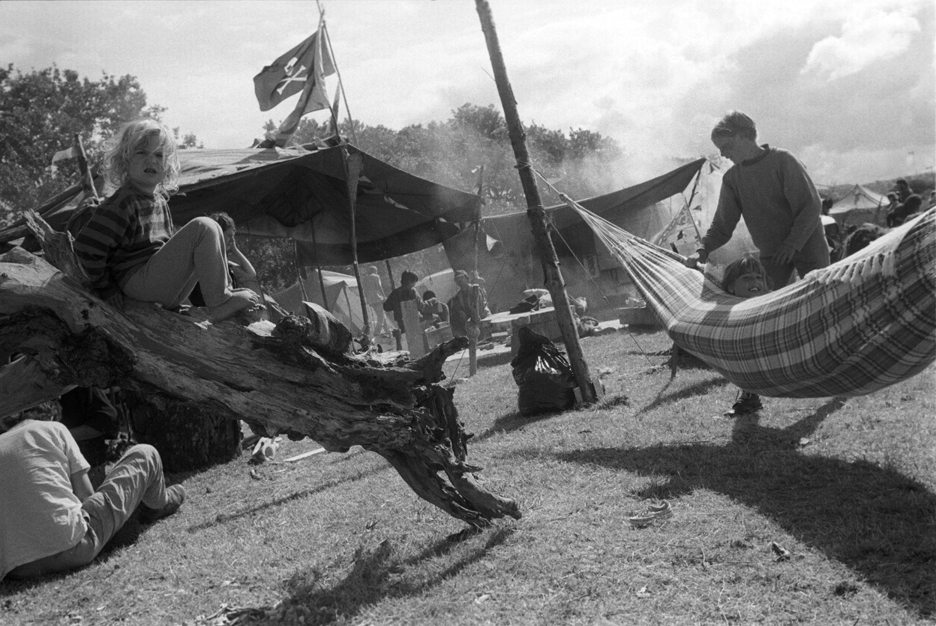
735	123
409	277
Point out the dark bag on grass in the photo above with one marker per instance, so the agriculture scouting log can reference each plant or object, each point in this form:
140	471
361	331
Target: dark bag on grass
543	375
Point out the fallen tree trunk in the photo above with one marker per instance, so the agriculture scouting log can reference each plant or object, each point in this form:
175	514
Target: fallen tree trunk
275	376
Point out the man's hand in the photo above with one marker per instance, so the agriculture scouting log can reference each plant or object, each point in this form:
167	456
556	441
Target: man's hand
784	255
693	260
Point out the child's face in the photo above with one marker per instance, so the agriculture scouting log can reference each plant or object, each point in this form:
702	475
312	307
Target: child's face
749	285
146	168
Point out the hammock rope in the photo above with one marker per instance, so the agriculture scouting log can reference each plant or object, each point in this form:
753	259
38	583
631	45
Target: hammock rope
862	324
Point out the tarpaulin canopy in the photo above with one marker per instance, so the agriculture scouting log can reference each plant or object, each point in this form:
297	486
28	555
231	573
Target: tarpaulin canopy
513	266
304	195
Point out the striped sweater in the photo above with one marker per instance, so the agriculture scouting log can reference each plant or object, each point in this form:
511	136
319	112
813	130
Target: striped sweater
122	234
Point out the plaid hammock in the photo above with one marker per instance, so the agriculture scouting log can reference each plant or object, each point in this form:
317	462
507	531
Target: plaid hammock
850	329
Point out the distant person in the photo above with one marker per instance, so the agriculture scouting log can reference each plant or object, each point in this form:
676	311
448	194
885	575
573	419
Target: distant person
903	190
434	312
770	188
892	201
241	272
404	293
861	237
746	278
480	282
52	520
467	307
130	247
904	211
374	297
241	269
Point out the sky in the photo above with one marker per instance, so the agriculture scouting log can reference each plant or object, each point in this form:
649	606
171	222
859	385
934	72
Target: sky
846	85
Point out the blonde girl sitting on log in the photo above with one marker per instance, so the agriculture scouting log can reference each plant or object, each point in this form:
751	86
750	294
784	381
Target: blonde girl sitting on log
130	247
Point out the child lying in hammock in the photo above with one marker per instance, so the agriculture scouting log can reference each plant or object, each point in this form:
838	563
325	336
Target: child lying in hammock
745	278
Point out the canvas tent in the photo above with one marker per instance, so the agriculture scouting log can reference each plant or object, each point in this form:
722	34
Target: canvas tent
510	265
859	205
303	195
341	293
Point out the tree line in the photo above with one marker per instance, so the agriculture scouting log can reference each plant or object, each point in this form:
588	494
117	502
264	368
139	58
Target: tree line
42	110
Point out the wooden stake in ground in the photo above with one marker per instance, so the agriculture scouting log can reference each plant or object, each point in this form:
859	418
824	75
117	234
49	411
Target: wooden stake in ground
354	165
287	379
535	212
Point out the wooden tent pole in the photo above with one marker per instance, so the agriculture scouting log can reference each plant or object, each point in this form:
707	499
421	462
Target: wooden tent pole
396	335
353	165
535	211
344	93
477	231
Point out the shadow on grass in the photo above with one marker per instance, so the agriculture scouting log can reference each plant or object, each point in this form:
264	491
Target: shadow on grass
223	518
874	520
698	389
510	422
378	574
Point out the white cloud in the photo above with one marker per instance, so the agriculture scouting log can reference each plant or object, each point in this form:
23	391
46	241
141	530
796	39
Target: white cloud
874	34
653	75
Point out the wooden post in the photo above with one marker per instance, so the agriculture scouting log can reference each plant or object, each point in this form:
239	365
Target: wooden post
473	333
318	266
535	211
396	335
353	166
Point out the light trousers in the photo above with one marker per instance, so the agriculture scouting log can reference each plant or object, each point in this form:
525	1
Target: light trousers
195	254
137	477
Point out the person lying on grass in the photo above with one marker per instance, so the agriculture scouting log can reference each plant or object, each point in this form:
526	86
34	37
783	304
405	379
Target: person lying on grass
52	520
130	247
745	278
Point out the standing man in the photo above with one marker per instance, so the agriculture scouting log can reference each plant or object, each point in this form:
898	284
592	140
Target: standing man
770	188
406	291
374	297
903	190
466	309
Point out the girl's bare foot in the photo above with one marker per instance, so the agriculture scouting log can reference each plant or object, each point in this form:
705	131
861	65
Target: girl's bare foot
240	299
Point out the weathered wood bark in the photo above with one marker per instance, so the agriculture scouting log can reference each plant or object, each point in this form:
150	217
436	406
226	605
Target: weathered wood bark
277	378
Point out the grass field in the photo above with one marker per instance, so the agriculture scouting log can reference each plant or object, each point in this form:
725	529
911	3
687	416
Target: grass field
818	511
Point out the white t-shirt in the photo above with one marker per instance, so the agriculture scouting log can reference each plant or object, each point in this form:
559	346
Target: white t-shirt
40	515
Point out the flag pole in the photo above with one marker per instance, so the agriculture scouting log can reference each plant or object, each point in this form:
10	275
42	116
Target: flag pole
535	211
344	92
353	167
